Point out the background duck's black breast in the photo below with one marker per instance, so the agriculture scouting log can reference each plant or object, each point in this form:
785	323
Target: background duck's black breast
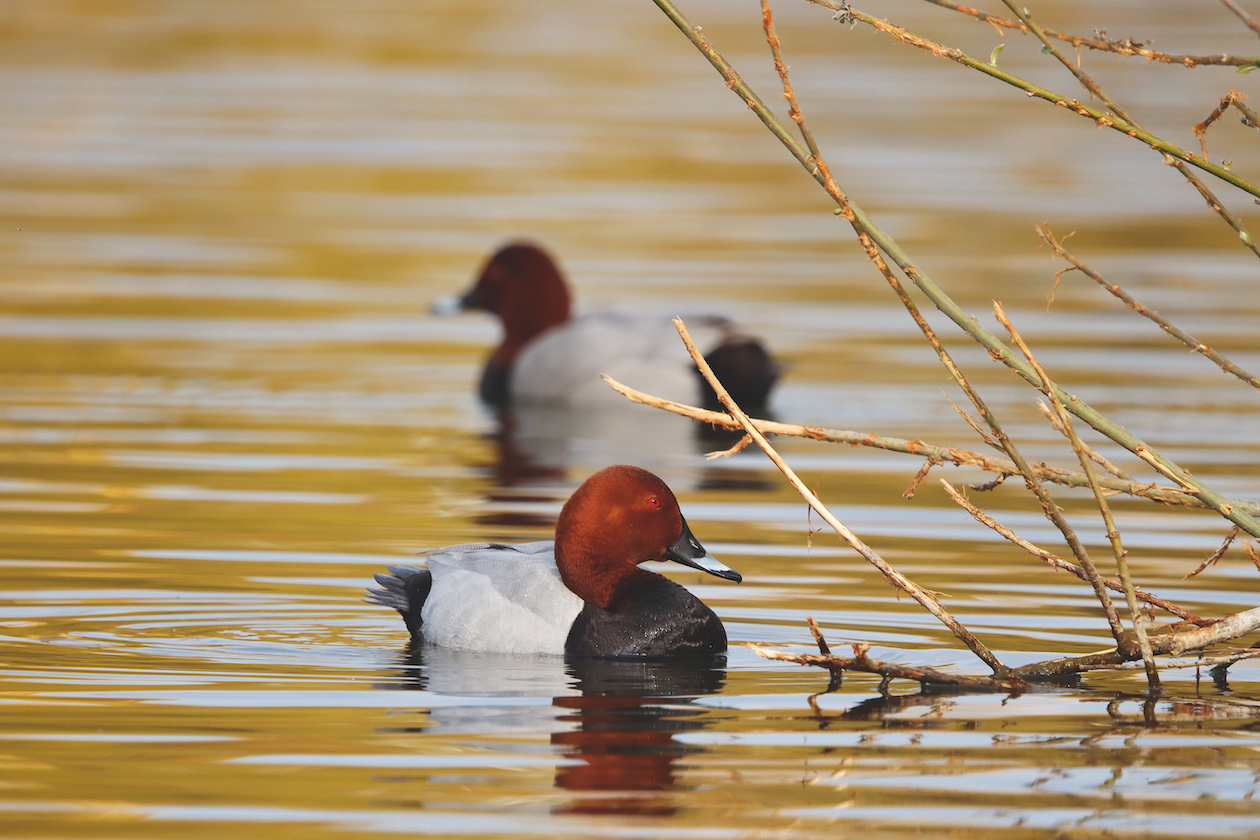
663	620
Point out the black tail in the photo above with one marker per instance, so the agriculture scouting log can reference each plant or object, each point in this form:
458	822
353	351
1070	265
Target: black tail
405	589
746	370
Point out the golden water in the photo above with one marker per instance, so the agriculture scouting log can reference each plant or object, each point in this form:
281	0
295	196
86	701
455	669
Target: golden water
224	405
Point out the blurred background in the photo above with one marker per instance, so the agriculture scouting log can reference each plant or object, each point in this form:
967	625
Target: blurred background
224	403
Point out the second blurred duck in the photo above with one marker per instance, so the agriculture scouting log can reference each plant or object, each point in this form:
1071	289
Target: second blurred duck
548	356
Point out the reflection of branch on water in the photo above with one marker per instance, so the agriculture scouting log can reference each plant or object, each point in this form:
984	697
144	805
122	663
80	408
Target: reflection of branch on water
890	711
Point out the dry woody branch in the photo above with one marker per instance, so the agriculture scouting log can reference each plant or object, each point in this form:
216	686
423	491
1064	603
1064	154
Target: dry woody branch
1137	645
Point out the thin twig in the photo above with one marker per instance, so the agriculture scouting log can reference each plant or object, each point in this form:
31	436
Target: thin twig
918	479
1093	454
1090	85
1215	555
941	454
736	448
1057	562
967	418
871	235
1113	533
890	574
1100	118
1104	661
1246	18
794	110
1200	129
890	670
1124	46
1249	117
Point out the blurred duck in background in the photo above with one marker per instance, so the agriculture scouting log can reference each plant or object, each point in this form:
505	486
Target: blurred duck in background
548	356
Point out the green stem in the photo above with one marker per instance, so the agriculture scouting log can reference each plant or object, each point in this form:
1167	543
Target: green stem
1102	118
1090	85
943	302
1120	47
1113	533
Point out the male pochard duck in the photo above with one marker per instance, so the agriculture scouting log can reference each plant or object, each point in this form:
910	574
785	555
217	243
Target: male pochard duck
583	595
548	356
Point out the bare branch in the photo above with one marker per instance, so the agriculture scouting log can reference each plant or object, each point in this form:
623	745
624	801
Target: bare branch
1215	555
1120	46
1113	533
1136	305
877	242
861	663
941	454
1059	563
890	574
1246	18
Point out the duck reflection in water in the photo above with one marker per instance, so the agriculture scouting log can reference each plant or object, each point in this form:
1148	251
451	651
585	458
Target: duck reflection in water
543	380
627	716
615	721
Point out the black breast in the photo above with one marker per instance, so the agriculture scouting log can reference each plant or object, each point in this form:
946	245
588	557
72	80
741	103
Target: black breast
662	620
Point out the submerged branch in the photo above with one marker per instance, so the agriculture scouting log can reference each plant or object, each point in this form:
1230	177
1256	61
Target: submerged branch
891	670
1019	678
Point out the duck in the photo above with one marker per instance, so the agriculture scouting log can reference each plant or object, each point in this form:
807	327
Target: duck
583	595
549	356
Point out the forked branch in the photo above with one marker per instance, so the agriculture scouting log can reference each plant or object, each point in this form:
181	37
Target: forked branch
1102	43
927	601
872	236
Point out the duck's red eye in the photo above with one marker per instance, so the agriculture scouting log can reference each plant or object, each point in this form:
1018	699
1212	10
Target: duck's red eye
653	502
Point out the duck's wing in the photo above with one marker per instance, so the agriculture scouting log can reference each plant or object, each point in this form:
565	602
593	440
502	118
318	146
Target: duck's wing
496	597
564	364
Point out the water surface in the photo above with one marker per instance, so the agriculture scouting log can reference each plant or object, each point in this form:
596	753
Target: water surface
224	405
